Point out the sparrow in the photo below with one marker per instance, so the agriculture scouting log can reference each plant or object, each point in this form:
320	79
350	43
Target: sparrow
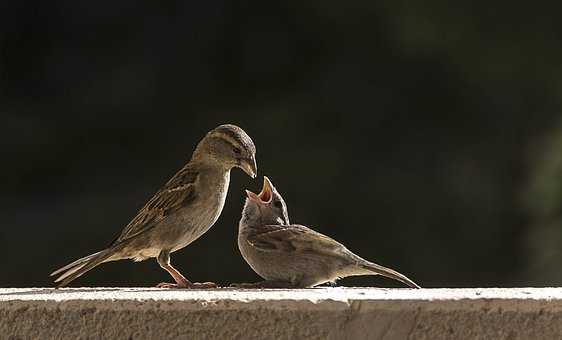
293	256
181	211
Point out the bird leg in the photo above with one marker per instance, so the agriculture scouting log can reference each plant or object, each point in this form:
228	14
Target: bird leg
264	284
181	281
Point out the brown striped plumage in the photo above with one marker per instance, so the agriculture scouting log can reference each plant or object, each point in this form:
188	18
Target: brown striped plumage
291	255
179	213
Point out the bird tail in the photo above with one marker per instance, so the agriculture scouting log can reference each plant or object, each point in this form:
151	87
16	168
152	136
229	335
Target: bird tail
387	272
75	269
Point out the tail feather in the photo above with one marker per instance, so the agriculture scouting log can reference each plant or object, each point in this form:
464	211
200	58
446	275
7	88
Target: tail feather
74	264
75	269
387	272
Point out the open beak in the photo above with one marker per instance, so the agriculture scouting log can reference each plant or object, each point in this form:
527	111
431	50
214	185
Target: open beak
249	166
253	196
265	195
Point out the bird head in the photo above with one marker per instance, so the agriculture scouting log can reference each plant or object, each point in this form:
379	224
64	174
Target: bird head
229	146
268	206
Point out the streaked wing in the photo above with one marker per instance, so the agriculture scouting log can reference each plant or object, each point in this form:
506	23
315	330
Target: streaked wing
178	192
293	238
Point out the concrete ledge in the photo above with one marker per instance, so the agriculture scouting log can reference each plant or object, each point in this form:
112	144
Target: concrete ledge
322	313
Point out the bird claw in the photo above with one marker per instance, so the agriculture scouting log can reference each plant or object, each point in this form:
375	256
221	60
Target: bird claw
194	285
263	285
244	285
203	285
168	285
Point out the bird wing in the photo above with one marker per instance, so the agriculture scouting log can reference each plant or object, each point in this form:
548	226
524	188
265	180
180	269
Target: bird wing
178	192
294	238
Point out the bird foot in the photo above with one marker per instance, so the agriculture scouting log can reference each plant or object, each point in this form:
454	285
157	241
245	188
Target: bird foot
244	285
203	285
191	285
168	285
262	284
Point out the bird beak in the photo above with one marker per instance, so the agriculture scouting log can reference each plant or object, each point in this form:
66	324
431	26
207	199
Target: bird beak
265	194
267	190
249	166
253	196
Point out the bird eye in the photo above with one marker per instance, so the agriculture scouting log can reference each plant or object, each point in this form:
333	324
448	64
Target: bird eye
237	151
278	204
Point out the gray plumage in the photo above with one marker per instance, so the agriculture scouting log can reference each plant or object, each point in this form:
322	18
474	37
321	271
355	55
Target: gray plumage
294	256
183	210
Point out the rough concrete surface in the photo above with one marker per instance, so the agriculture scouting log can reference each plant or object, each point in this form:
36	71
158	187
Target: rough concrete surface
321	313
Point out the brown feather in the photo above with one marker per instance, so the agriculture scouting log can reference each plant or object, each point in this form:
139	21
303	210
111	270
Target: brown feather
293	238
177	192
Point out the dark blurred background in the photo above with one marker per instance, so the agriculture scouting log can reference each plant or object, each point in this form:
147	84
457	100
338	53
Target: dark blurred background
426	137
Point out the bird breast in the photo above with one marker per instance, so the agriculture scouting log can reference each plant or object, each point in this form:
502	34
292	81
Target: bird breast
195	219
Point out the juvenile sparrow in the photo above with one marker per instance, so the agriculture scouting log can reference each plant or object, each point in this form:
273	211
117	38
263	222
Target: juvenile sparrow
179	213
291	255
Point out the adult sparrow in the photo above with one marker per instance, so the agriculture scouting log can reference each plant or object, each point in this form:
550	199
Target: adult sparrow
291	255
179	213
